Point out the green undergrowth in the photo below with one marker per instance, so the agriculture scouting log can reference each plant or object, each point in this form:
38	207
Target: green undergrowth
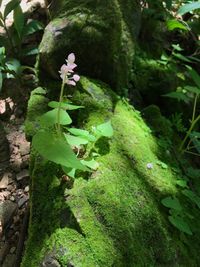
113	217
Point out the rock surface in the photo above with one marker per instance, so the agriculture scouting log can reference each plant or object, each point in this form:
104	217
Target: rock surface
102	35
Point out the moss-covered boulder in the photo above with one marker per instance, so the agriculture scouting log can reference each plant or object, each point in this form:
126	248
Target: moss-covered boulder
114	217
101	33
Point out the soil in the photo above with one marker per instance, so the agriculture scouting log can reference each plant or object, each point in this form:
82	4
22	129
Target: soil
14	175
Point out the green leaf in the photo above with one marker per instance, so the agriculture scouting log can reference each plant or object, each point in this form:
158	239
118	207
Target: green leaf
56	150
10	7
192	196
175	24
189	7
162	164
19	20
64	105
69	171
181	183
51	118
193	173
172	203
195	134
75	140
1	80
104	129
92	164
179	223
32	27
82	133
177	95
29	51
14	66
192	89
181	57
195	76
177	47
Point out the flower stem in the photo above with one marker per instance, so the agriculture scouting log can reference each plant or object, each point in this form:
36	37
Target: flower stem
59	106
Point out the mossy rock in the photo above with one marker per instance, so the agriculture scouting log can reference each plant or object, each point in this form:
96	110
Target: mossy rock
101	34
36	106
114	218
159	124
153	80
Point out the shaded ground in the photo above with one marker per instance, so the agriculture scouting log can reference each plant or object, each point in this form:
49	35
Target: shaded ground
14	179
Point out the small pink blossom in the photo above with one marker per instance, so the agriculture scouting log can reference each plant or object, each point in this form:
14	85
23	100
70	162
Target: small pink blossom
71	82
66	71
71	58
76	77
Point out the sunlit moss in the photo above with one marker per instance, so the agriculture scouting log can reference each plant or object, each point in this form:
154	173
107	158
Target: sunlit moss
114	218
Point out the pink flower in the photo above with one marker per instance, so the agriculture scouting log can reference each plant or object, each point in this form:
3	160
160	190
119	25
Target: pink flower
67	70
76	77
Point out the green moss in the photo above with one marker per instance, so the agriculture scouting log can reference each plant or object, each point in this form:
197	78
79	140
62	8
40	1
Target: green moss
159	124
153	80
37	105
115	218
102	36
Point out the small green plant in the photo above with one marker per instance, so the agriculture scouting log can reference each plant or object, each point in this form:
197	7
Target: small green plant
178	211
56	141
9	67
21	29
187	94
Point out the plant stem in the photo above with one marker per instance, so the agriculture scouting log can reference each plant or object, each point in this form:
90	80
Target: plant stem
194	107
59	106
188	133
9	36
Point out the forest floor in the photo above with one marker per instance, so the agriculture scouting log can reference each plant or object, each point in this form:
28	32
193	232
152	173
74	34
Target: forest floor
14	180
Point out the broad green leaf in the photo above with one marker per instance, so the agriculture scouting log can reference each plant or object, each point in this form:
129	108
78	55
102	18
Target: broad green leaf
64	105
181	57
56	150
189	7
181	76
32	27
179	223
19	20
10	7
175	24
69	171
181	183
82	133
192	196
75	140
193	173
51	118
195	134
1	80
29	51
177	47
92	164
195	76
192	89
104	129
172	203
177	95
162	164
2	50
14	66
